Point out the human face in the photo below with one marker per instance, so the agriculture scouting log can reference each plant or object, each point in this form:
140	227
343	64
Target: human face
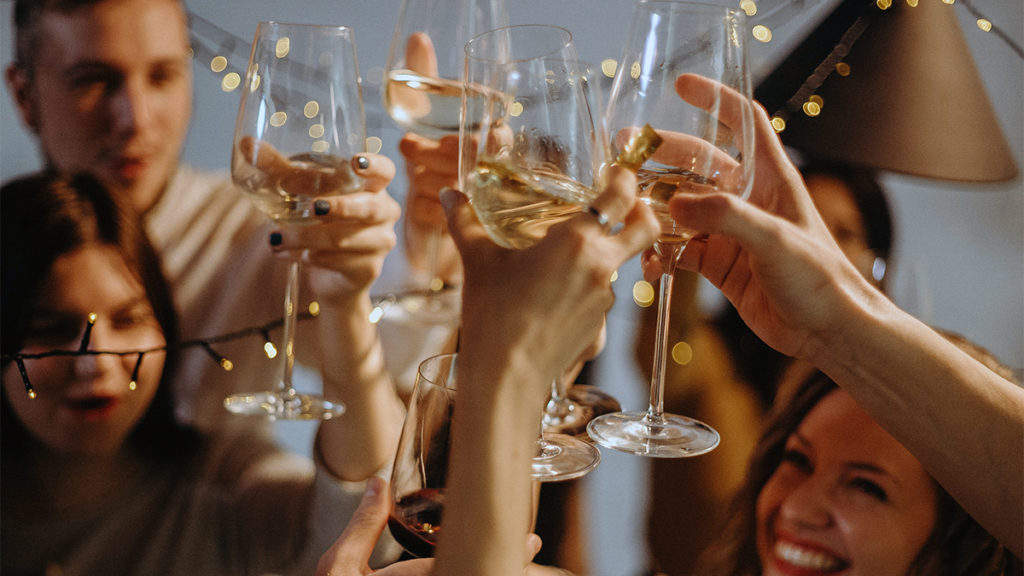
83	403
834	200
111	92
847	499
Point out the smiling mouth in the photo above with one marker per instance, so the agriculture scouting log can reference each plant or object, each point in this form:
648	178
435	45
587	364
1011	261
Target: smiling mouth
807	559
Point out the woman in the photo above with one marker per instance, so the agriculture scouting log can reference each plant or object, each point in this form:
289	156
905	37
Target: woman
98	476
829	490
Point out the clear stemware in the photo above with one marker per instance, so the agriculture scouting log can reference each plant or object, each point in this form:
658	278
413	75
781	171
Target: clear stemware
300	122
705	146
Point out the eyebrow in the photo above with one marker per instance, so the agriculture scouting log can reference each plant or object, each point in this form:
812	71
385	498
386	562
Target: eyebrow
851	464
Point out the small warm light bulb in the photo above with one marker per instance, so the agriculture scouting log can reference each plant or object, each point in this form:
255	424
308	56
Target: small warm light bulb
812	109
762	33
643	293
608	67
218	64
985	24
884	4
227	365
31	394
516	109
132	385
314	308
843	69
270	350
230	82
682	353
749	7
778	123
374	144
282	47
615	276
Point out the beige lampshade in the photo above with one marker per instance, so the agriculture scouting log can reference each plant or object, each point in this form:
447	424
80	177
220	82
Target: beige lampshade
894	90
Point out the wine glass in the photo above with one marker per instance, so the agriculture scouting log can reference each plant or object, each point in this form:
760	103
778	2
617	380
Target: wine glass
530	158
299	124
706	148
423	94
571	407
420	471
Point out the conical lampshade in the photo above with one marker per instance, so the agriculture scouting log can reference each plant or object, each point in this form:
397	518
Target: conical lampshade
894	90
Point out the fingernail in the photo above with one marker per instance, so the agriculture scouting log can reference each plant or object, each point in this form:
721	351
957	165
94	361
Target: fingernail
448	197
363	162
374	485
321	207
276	239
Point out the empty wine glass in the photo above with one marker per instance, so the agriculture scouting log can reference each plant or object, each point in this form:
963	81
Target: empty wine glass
299	124
531	155
423	94
705	146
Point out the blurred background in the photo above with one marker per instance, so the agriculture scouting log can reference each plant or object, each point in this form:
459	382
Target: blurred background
959	247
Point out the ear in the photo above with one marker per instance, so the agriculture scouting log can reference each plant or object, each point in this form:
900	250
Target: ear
20	84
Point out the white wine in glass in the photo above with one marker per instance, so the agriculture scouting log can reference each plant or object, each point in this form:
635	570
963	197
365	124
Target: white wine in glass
705	144
423	95
531	153
300	122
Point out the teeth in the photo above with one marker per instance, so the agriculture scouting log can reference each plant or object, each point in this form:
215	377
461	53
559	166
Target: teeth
805	558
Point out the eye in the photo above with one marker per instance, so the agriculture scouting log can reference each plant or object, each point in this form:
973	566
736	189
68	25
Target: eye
54	331
870	488
136	317
797	459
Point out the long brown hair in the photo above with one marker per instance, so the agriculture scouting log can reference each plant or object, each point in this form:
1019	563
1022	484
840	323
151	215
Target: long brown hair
47	215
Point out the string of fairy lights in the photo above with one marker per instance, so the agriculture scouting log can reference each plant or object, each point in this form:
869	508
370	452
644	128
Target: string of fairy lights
220	49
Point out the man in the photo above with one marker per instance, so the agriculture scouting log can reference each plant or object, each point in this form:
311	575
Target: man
106	87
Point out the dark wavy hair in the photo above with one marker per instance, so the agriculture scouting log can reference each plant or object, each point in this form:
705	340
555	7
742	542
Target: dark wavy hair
47	215
957	546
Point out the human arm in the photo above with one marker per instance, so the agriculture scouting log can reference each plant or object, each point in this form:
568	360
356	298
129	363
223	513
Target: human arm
775	260
346	248
521	329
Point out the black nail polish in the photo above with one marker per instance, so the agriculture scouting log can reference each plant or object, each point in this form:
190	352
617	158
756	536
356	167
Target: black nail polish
276	239
363	162
321	207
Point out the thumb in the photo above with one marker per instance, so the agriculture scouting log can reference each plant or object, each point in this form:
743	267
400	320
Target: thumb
351	551
420	55
464	226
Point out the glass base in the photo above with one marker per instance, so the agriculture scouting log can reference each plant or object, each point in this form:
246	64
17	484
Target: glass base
428	306
639	433
283	406
563	457
584	403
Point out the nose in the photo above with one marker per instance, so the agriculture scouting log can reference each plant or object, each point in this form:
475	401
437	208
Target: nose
808	504
131	107
91	365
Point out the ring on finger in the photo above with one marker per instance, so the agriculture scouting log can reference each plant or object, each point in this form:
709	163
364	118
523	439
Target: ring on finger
601	217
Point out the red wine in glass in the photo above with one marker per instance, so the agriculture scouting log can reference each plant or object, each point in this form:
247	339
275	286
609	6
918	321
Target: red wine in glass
415	521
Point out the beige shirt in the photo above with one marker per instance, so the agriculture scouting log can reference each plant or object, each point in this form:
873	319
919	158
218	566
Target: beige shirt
239	506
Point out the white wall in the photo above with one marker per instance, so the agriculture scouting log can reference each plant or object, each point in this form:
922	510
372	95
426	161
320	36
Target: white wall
959	247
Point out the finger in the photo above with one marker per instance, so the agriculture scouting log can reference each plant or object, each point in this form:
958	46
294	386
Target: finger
351	551
617	198
440	155
728	105
376	170
366	208
463	225
420	55
639	231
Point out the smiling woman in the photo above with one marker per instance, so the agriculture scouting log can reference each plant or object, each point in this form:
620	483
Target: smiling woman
826	481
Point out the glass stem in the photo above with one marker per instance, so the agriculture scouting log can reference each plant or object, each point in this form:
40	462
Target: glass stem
436	283
669	254
291	310
558	406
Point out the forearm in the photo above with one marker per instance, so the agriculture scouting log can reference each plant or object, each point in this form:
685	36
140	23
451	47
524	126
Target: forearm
961	420
361	441
489	497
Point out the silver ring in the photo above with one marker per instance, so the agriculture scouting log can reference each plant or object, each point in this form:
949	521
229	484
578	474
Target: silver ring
601	217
